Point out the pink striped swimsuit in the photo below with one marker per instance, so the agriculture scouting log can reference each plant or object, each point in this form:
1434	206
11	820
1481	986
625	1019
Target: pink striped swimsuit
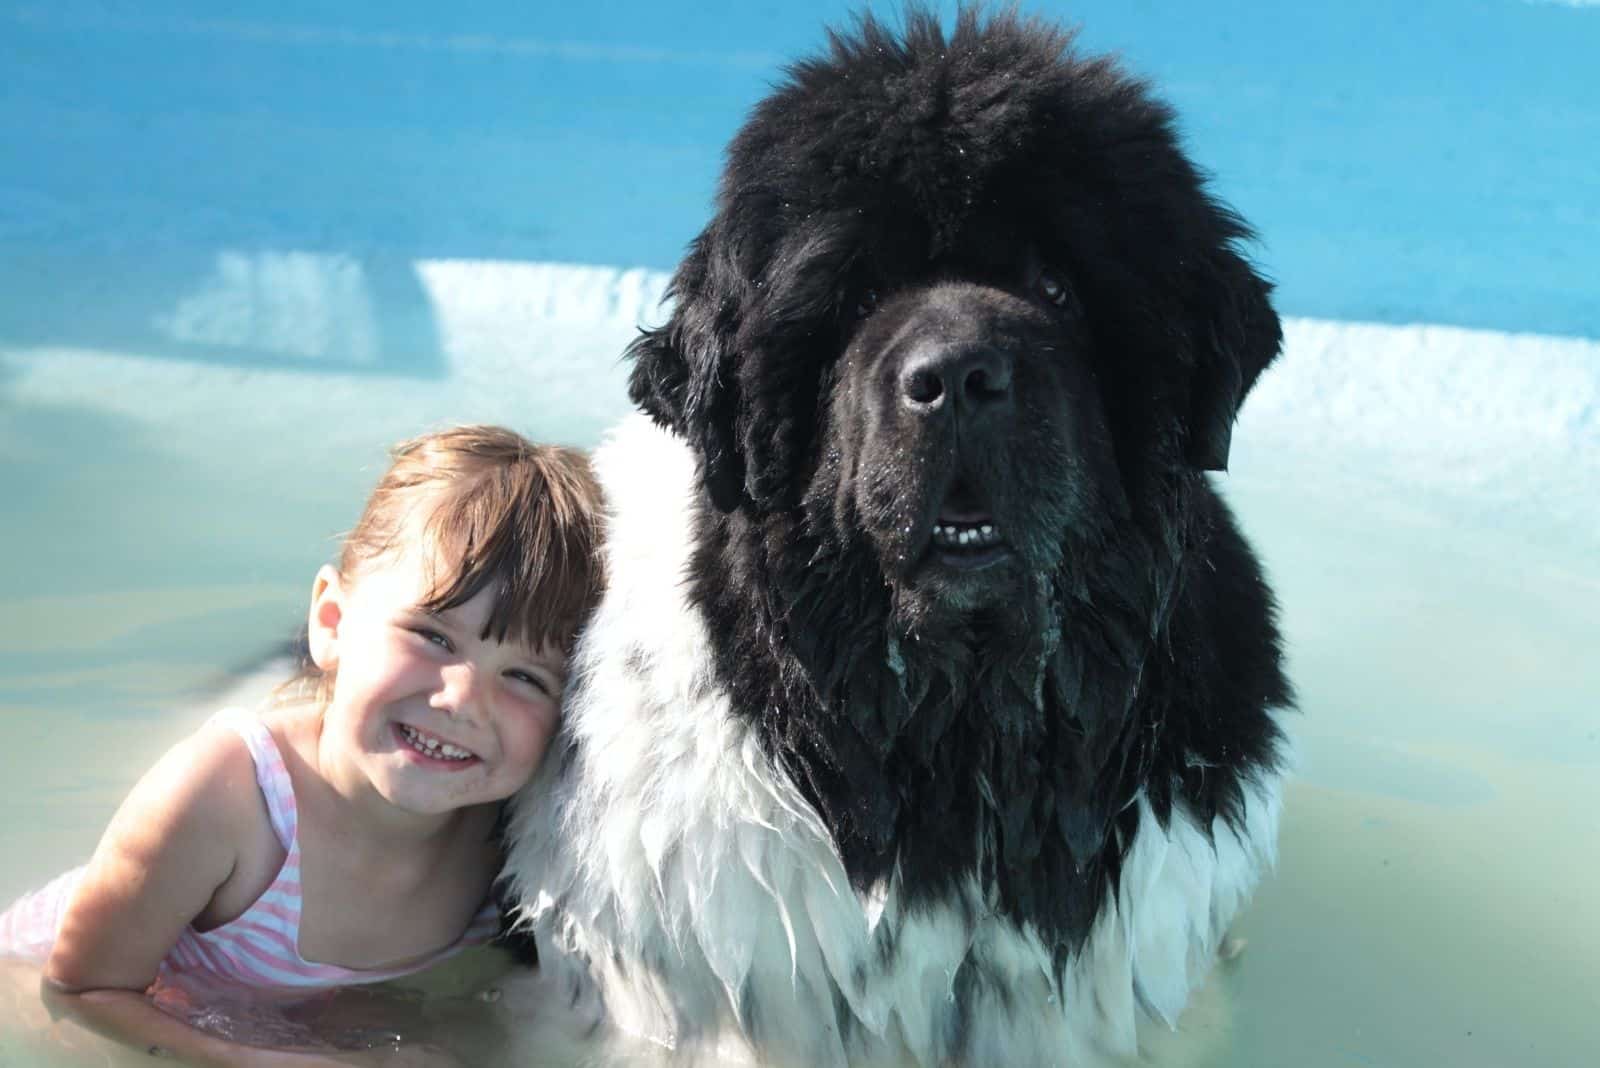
259	948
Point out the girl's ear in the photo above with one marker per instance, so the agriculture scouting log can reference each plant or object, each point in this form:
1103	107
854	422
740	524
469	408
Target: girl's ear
322	622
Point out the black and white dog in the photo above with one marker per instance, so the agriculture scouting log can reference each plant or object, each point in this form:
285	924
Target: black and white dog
933	707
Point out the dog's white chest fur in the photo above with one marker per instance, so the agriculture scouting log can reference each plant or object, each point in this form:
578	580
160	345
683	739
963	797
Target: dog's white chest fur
667	860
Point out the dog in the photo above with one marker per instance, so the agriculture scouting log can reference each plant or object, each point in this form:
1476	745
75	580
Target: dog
933	710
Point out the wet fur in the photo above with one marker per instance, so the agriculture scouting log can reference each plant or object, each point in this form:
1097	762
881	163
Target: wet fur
818	799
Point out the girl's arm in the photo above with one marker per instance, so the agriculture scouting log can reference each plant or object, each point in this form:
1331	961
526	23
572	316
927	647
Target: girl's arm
171	846
174	843
131	1018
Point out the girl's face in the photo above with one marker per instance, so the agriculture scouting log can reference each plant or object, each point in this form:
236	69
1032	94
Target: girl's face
434	716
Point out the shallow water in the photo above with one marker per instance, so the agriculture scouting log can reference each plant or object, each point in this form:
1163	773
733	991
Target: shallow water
1434	898
1434	902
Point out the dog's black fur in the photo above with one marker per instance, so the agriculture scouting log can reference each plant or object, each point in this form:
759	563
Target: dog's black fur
992	203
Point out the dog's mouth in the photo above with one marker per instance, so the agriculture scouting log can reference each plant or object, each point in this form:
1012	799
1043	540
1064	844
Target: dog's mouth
965	535
965	531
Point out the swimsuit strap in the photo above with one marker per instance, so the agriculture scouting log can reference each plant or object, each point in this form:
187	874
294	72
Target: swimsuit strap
272	775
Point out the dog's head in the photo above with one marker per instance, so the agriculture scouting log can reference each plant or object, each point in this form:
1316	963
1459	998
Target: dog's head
964	296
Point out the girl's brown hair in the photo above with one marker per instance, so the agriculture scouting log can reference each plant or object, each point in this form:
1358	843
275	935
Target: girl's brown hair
492	510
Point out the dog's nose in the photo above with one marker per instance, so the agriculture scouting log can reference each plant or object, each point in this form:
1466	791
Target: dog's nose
972	378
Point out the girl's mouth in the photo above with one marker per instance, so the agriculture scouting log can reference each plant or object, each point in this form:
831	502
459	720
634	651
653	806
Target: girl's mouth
433	750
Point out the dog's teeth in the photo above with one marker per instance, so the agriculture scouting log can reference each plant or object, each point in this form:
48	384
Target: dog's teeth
959	535
964	536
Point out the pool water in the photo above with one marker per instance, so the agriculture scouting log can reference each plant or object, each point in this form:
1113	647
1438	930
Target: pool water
1434	900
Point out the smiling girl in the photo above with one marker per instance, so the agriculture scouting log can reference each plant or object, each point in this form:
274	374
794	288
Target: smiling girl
346	836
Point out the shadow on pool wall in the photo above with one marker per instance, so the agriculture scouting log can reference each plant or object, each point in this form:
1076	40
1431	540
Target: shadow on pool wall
290	310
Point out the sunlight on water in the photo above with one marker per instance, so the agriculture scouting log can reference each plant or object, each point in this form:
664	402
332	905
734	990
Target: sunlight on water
1434	901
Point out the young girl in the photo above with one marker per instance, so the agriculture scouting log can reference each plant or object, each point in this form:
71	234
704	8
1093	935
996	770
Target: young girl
346	837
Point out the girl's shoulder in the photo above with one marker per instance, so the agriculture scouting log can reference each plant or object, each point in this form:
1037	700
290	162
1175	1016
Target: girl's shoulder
217	777
202	796
207	785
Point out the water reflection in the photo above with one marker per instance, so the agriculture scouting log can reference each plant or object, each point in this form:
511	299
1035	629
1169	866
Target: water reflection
451	1018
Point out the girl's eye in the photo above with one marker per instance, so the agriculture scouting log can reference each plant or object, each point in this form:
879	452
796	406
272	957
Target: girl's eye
532	680
433	637
1052	288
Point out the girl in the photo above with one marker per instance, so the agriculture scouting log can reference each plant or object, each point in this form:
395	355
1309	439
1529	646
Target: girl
346	837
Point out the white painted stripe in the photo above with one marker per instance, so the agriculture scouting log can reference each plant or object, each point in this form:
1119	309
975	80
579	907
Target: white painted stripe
1500	418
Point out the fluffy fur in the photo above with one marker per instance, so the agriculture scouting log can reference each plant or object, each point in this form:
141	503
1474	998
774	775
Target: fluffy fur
835	782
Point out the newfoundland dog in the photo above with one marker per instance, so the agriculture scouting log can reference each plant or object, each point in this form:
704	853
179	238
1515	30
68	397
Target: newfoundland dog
932	711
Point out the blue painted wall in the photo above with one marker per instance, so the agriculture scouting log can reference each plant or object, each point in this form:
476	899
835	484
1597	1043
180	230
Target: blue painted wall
1407	161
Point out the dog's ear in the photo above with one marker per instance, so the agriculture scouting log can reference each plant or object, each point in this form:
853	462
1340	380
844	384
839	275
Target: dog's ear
689	395
681	378
1238	335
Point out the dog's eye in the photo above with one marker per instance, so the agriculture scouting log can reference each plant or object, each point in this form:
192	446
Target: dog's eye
866	303
1053	288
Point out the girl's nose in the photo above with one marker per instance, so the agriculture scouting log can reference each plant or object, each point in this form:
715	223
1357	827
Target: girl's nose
459	693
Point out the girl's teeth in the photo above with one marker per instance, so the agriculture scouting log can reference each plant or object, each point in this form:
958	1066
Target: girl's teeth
432	746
